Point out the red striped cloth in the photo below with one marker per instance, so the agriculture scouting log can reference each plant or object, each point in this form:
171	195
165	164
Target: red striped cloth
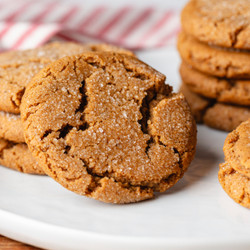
28	23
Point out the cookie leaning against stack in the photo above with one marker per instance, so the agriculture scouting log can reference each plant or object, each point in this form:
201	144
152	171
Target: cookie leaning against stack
234	174
214	47
16	70
105	125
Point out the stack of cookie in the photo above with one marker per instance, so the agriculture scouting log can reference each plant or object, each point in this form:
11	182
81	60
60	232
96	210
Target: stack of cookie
234	173
99	121
16	70
215	70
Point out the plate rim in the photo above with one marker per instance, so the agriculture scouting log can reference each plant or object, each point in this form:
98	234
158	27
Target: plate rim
75	238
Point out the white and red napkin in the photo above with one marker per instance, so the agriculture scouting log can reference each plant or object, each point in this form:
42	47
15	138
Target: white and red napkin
28	24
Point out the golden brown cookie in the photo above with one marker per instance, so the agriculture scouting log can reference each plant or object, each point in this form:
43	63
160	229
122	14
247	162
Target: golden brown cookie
237	148
236	185
213	60
18	67
225	117
223	90
11	127
234	174
105	125
198	104
18	157
224	23
214	114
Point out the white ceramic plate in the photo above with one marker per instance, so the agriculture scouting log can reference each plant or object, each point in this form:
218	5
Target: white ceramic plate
195	214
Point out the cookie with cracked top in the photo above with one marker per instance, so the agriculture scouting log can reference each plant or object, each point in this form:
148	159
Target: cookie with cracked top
235	184
18	67
223	90
214	114
237	148
213	60
234	174
223	23
106	126
18	157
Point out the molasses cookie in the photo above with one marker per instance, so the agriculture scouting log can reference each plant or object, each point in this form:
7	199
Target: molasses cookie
224	23
223	90
234	174
237	148
198	104
18	157
235	184
11	127
225	117
18	67
214	114
105	125
213	60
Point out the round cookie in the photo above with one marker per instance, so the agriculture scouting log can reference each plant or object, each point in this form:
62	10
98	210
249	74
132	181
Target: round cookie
18	157
198	104
225	117
223	90
214	61
224	23
11	127
237	148
105	125
18	67
214	114
236	185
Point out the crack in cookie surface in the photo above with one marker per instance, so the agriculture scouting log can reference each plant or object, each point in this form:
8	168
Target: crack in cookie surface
99	139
